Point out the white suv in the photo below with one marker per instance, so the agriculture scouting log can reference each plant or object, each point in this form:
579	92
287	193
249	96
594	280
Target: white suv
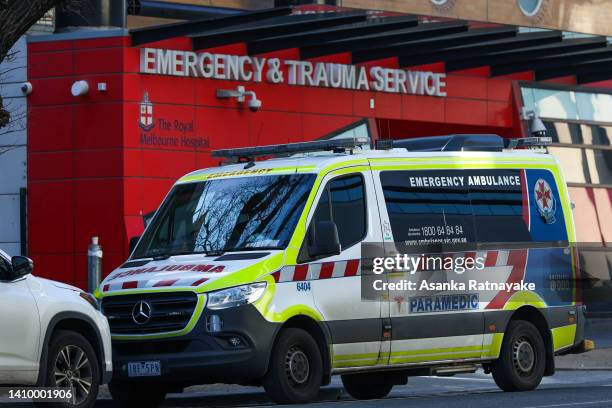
51	334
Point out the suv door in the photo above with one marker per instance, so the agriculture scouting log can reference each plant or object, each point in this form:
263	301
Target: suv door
19	329
355	325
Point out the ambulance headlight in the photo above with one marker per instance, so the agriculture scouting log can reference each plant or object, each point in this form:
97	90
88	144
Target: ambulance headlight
236	296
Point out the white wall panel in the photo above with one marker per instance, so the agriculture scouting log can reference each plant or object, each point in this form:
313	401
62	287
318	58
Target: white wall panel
9	221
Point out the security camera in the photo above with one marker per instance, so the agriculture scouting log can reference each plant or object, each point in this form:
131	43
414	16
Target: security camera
26	88
79	88
536	126
254	104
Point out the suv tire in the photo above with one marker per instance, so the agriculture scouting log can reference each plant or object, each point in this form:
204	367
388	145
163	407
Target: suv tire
72	363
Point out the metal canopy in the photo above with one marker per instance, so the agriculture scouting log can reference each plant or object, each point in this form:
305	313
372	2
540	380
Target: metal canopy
412	41
163	32
434	42
372	41
594	77
273	27
555	61
478	49
527	53
317	37
575	68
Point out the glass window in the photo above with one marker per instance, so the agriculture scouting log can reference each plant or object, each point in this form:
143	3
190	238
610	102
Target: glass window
498	207
594	106
230	214
4	268
600	165
555	104
573	162
596	135
530	7
428	207
568	105
343	202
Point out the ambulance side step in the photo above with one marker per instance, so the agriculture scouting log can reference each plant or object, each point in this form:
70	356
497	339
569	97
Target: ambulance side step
452	370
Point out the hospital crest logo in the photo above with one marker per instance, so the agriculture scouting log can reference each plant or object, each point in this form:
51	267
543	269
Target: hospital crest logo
545	200
145	120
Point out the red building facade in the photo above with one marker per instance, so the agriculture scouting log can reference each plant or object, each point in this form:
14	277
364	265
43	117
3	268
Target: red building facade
99	162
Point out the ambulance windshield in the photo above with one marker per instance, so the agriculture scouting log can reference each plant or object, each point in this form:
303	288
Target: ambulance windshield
229	214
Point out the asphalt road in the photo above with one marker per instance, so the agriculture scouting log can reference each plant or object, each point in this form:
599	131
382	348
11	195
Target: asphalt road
586	388
567	389
572	389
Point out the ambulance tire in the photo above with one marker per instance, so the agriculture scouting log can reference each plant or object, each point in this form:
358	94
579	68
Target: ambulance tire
522	360
367	386
131	394
295	373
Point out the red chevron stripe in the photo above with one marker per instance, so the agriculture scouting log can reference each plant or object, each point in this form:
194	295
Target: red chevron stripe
199	282
167	282
352	267
491	259
327	269
518	260
300	273
129	285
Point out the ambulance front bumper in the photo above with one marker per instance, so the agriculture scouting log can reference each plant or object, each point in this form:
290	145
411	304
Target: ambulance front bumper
237	353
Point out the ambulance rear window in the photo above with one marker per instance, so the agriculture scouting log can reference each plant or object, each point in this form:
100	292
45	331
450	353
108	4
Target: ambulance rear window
467	206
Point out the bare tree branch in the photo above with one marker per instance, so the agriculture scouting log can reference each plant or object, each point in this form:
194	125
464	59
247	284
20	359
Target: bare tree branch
16	17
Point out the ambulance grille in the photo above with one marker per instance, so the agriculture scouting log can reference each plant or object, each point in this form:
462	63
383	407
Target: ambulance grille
167	312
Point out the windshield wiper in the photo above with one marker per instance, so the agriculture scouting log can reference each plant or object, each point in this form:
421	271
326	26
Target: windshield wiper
245	249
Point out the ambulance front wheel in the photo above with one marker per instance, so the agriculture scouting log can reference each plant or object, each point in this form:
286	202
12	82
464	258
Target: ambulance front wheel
522	360
296	368
367	386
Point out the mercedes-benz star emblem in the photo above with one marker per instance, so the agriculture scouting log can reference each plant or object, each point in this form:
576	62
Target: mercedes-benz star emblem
141	313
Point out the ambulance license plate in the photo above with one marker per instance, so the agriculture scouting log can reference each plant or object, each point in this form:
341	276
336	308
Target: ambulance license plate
144	369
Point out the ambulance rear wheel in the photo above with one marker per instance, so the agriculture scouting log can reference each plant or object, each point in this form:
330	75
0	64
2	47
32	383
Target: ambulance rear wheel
522	360
367	386
296	368
132	394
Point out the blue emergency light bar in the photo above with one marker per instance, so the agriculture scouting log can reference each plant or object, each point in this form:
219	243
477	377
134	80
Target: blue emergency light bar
458	143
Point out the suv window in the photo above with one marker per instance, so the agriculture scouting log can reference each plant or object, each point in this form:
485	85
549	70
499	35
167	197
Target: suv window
4	268
343	202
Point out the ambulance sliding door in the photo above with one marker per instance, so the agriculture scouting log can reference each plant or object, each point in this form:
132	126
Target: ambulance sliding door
347	198
421	210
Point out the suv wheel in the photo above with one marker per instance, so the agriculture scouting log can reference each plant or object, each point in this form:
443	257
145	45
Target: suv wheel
296	368
522	360
131	394
367	386
72	363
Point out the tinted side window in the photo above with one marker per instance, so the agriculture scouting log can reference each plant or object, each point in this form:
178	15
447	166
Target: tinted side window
497	203
427	207
4	268
343	202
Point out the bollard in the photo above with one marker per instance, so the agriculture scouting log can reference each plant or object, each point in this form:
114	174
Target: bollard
94	265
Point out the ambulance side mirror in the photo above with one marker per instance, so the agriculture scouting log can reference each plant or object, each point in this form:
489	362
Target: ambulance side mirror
323	240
